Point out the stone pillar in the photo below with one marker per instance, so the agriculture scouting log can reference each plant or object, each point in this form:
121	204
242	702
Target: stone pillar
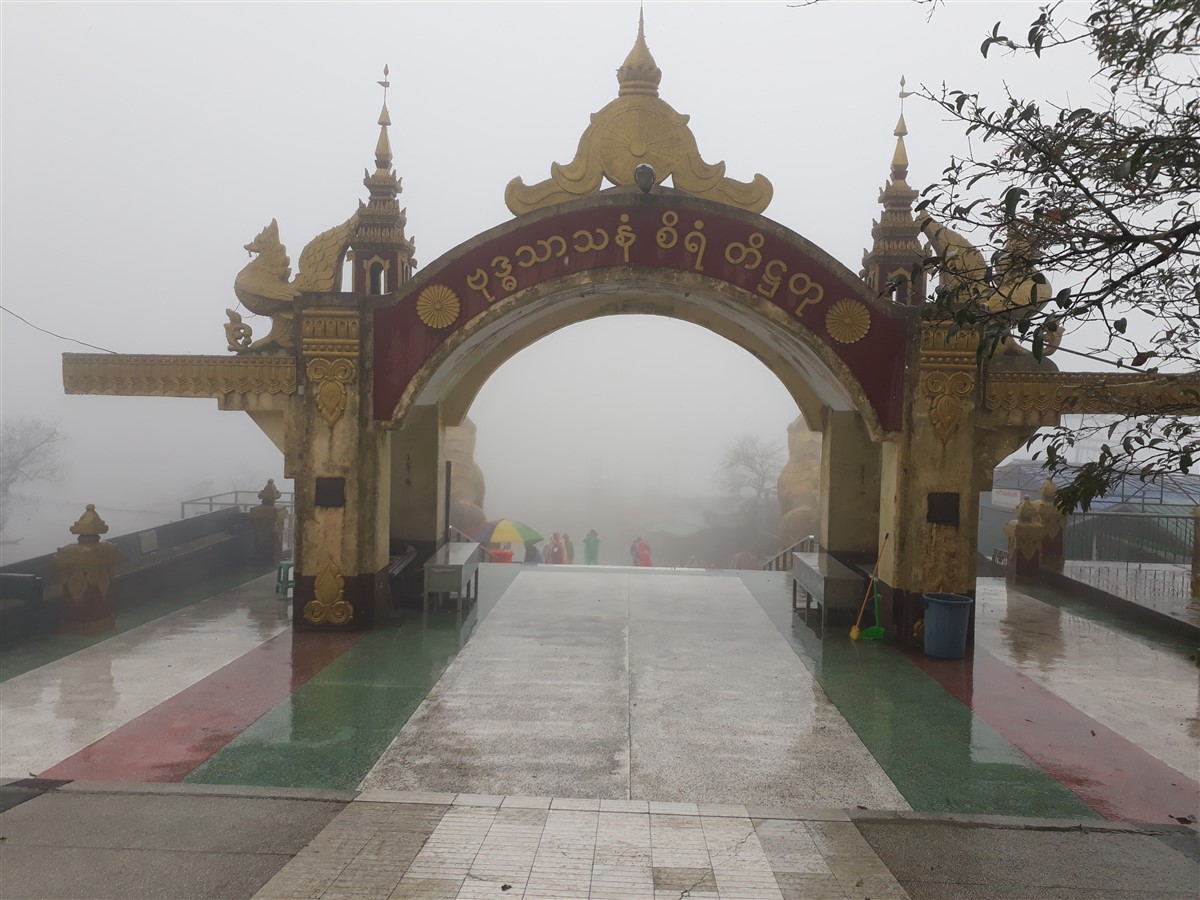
849	487
417	514
1025	535
928	498
1054	522
340	471
266	527
87	573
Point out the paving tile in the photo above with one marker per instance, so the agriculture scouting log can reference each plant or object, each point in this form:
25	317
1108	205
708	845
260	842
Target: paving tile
627	806
684	880
674	809
723	809
426	889
478	800
855	867
526	802
384	796
106	873
772	812
807	886
873	887
570	803
839	839
822	814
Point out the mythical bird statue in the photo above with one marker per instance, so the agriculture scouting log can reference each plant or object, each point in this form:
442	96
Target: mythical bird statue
1014	289
263	285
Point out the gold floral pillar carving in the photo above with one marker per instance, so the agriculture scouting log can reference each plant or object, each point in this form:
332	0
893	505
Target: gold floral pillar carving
329	600
87	572
331	350
948	366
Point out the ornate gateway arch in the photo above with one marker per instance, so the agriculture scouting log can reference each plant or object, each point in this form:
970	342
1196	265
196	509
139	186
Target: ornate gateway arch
356	387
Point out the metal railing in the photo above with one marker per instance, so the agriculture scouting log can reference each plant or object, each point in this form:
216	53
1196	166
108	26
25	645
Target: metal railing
245	501
781	561
1129	537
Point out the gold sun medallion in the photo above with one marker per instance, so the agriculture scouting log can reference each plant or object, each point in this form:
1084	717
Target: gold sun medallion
438	306
848	321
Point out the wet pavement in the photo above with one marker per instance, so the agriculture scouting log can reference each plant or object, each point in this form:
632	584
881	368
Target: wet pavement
615	685
620	686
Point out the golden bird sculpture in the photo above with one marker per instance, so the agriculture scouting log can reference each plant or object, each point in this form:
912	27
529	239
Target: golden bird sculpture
263	286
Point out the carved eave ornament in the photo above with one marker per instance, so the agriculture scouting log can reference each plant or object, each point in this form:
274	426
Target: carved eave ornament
638	128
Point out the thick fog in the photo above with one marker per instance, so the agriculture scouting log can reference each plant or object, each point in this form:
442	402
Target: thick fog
144	144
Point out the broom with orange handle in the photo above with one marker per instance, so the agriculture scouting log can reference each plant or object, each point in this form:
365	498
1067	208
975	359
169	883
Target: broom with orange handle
854	632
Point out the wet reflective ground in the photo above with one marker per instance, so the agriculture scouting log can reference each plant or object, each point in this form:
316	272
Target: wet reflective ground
653	686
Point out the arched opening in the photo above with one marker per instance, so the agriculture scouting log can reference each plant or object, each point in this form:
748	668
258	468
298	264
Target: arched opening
573	437
375	278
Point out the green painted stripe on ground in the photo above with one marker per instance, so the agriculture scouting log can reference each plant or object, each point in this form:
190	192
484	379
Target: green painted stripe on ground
332	729
25	657
939	754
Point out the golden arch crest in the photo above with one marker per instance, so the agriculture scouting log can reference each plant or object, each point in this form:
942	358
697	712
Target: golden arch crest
635	129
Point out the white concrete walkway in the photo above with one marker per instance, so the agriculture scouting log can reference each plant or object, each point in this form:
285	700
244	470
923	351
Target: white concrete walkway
626	686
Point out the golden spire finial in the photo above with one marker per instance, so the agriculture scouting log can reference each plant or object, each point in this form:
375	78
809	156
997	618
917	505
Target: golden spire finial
383	147
900	157
639	74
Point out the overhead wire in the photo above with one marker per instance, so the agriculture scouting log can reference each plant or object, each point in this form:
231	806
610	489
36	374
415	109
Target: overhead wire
61	337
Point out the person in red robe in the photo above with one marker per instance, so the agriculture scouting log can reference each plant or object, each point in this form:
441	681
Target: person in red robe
556	550
641	552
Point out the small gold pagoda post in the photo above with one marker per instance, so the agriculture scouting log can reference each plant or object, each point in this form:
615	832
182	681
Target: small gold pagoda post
87	572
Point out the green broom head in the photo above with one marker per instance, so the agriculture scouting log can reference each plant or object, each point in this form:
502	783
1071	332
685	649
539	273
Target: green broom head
874	632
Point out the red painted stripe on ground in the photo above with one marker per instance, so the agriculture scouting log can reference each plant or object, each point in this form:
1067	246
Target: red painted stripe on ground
1111	774
169	741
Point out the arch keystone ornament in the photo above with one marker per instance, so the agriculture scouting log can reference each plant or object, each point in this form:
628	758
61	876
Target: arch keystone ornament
638	128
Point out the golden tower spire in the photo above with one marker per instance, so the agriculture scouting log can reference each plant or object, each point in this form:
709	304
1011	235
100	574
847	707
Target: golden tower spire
895	252
383	147
639	74
382	253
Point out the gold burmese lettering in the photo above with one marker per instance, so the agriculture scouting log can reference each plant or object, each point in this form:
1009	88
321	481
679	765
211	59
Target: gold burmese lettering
526	263
695	242
749	254
589	242
625	236
562	246
504	271
772	277
667	236
543	254
479	282
807	291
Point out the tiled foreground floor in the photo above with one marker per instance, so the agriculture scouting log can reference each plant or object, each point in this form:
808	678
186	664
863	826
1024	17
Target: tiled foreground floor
445	846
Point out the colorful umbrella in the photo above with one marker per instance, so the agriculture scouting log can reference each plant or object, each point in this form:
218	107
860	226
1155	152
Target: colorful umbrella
504	531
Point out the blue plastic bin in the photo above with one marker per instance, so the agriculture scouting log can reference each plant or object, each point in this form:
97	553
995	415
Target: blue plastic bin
947	618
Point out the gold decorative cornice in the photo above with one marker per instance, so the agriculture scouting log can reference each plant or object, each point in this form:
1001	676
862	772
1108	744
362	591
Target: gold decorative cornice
635	129
330	332
1094	393
130	375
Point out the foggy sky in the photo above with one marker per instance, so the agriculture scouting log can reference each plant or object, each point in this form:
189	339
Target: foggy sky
144	144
